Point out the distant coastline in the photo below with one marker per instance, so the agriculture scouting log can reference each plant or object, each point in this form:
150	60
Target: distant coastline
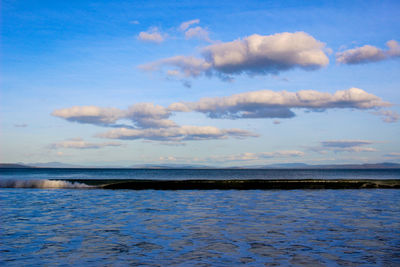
384	165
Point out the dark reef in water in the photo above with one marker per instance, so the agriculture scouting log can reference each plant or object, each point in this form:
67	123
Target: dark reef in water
240	184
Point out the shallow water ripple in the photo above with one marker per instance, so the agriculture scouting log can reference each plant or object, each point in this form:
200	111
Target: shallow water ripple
218	228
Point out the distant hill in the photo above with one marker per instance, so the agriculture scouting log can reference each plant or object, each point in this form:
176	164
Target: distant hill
384	165
55	165
13	166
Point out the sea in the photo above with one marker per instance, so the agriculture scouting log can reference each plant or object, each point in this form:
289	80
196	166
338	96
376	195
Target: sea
46	221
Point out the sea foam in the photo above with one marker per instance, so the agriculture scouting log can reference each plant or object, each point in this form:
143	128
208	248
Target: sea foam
41	184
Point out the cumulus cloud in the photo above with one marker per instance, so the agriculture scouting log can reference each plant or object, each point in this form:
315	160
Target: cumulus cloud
89	114
142	115
271	104
258	54
185	25
148	115
344	146
199	33
388	116
255	54
78	143
180	133
152	35
368	53
152	122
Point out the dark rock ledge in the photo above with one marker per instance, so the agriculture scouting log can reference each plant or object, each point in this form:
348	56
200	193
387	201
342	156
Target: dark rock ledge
240	184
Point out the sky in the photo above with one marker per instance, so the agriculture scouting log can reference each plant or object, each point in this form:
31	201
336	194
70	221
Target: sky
218	83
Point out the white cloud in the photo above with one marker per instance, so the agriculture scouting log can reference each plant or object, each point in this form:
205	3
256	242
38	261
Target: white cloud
89	114
169	158
185	25
344	146
78	143
148	115
189	66
256	54
270	104
152	35
180	133
368	53
388	115
199	33
142	115
152	122
248	156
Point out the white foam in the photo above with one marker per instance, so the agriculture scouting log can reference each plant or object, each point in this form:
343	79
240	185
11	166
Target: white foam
41	184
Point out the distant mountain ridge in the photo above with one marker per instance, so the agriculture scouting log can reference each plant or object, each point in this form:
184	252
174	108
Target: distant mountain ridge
13	166
384	165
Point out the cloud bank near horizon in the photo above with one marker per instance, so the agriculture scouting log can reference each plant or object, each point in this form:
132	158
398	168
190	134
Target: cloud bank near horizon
344	146
177	133
79	143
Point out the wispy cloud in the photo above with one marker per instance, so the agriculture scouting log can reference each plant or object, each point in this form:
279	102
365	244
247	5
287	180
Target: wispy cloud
153	35
368	54
241	157
185	25
198	33
176	134
344	146
393	155
188	66
271	104
248	156
78	143
388	115
255	54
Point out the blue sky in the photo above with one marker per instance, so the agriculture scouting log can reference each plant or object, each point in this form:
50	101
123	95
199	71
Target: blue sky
216	82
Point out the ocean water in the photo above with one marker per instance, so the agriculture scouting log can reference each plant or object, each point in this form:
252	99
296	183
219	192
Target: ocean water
97	227
186	174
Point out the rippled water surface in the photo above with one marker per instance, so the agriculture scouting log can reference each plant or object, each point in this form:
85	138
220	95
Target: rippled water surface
185	174
217	228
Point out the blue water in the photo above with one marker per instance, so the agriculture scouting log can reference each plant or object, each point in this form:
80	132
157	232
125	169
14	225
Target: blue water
206	228
183	174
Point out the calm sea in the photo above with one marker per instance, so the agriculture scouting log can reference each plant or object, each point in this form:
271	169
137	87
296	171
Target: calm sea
96	227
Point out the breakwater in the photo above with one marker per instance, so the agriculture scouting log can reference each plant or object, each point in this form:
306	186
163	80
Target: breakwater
240	184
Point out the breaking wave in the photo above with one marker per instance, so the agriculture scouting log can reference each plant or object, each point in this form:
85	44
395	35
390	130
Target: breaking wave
42	184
